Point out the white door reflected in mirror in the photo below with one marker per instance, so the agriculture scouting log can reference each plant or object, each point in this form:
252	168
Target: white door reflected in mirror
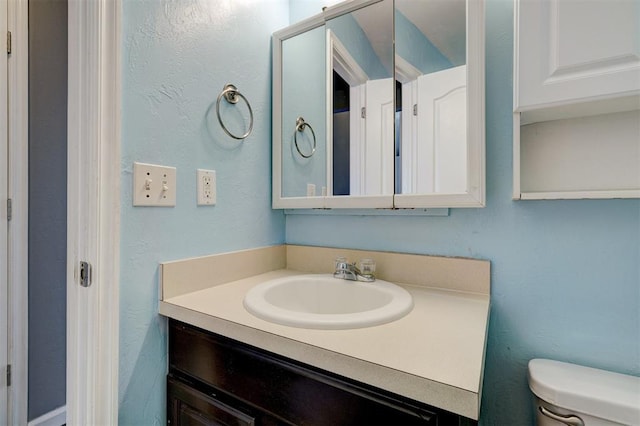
434	143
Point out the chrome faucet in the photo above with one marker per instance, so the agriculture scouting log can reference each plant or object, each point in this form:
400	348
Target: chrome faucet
349	271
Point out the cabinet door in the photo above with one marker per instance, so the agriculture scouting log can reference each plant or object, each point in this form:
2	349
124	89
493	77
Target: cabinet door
571	51
188	407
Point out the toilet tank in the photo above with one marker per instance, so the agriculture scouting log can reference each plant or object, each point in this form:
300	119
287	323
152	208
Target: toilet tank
575	395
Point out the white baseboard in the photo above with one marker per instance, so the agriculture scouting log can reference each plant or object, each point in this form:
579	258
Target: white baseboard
57	417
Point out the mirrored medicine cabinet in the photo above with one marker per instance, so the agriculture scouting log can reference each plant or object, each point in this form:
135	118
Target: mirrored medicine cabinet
380	104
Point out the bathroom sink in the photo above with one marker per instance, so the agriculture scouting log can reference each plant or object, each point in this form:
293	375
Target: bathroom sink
323	302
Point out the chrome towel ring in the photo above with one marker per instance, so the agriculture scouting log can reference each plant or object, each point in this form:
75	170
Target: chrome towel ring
231	94
300	125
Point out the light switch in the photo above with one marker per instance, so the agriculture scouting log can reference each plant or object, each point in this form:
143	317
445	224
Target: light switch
154	185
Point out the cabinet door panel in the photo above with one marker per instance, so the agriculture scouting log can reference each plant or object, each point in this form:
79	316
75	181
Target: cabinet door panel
574	51
188	407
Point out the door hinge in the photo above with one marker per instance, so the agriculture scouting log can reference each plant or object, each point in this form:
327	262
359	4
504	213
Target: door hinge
8	42
415	109
363	112
9	209
8	375
85	274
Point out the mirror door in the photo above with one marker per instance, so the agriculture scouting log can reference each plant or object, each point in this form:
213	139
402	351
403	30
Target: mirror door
360	71
304	149
392	97
440	125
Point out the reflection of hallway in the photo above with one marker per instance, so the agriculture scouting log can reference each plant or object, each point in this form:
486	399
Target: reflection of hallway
341	175
47	209
341	129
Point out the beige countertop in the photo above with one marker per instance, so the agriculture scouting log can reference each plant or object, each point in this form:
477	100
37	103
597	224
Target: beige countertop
435	354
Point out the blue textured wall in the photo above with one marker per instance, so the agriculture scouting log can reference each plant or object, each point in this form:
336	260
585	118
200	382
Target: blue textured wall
565	274
177	56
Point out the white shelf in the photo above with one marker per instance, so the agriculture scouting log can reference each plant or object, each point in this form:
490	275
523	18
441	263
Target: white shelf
579	195
595	157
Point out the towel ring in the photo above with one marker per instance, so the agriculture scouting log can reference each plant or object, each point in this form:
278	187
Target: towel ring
231	94
300	125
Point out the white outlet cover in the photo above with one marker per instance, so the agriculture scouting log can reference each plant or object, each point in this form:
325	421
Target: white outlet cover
154	185
311	190
206	187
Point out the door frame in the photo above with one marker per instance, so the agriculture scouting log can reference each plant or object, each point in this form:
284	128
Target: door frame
18	191
93	210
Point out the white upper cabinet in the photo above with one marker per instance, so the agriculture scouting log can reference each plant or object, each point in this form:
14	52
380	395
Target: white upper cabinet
576	99
577	51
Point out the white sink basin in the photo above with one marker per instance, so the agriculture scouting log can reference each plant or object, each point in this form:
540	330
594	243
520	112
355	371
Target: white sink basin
324	302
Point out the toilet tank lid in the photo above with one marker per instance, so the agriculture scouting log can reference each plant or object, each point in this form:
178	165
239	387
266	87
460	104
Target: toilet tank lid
598	393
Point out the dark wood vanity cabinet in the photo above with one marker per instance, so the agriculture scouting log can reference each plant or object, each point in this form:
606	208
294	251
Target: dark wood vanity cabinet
214	380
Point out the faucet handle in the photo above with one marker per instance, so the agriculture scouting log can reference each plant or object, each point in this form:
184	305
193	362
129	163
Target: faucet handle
344	269
367	267
340	262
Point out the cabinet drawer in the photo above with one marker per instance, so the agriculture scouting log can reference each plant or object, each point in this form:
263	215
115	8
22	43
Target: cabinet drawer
288	390
187	406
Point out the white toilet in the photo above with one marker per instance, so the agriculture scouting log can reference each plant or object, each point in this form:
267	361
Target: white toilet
568	394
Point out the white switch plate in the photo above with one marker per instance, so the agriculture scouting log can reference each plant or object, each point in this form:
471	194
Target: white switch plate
206	187
154	185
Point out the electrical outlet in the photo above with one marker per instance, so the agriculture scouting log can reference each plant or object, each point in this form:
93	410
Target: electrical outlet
206	187
311	190
154	185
